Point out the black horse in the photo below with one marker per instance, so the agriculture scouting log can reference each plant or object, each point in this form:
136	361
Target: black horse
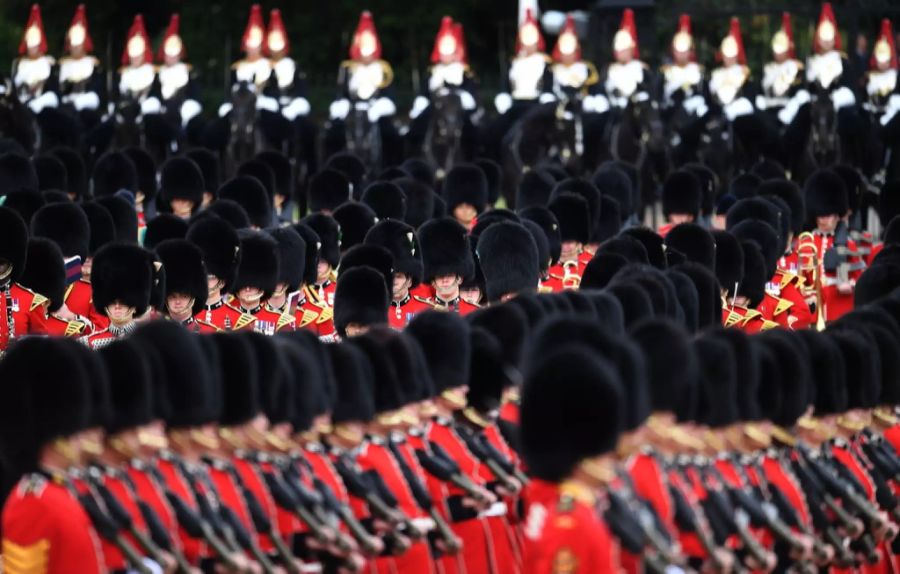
363	136
443	139
128	130
243	135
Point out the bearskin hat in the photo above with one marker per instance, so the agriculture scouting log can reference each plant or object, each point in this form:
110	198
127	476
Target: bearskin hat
688	298
876	282
130	385
744	186
45	271
825	194
311	256
729	266
600	270
185	273
636	304
291	257
163	227
695	242
653	244
387	390
17	173
181	178
361	297
355	220
259	265
672	367
419	170
208	163
613	183
240	379
367	255
124	217
791	194
709	298
466	184
125	273
66	225
76	174
509	260
352	168
548	223
420	200
13	241
329	232
591	195
145	169
445	249
716	359
494	174
328	189
103	229
401	240
488	374
228	210
250	194
51	173
765	237
112	172
220	246
281	170
444	339
386	199
626	246
753	283
682	193
534	189
573	214
262	172
354	400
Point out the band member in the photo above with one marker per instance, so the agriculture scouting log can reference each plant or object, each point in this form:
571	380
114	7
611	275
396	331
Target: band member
627	77
447	260
256	280
22	311
400	239
80	77
33	75
45	273
186	288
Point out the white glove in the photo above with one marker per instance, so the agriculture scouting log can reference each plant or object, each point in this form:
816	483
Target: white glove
595	104
86	101
641	97
503	102
695	105
787	114
890	110
546	98
339	109
45	100
297	107
419	106
468	100
189	110
266	103
380	108
151	106
225	109
842	97
739	107
761	104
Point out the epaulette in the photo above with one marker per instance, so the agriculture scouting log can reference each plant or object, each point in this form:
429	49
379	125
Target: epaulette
243	320
36	298
33	557
307	318
421	300
786	277
750	314
284	319
767	325
326	315
782	306
545	289
74	328
733	318
205	324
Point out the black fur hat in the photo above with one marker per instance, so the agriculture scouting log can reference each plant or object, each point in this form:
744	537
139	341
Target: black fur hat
291	256
163	227
262	172
130	385
305	382
124	217
17	173
768	169
230	211
509	260
494	174
47	397
709	183
361	297
51	172
126	273
327	190
45	271
861	362
387	389
509	324
765	237
753	208
145	169
103	228
600	270
66	225
653	245
419	170
367	255
386	200
445	249
717	405
466	184
281	169
695	242
313	247
181	178
709	298
259	265
251	195
548	223
444	339
853	182
591	195
239	381
185	273
610	222
573	213
828	372
613	183
753	283
745	186
220	246
672	365
112	172
401	240
488	373
878	281
540	242
25	203
682	193
636	304
354	400
825	194
329	232
688	298
534	189
208	162
76	173
747	371
355	220
420	200
572	409
352	168
185	371
13	241
791	194
793	360
729	260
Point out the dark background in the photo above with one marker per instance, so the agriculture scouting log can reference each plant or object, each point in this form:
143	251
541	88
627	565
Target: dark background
320	30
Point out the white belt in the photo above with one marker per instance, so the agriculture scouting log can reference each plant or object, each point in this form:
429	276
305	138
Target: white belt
496	509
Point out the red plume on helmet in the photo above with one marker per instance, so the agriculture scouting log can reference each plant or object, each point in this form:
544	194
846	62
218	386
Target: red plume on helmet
683	41
826	16
886	36
255	30
628	26
461	42
80	19
570	32
366	26
446	34
531	23
34	21
171	32
276	26
788	30
734	33
137	30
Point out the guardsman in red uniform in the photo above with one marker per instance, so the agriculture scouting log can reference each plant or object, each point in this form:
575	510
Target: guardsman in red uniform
466	193
572	213
255	281
682	198
508	255
400	239
827	206
329	232
124	279
45	273
100	231
45	528
447	261
22	311
742	308
363	302
564	398
186	286
221	250
312	314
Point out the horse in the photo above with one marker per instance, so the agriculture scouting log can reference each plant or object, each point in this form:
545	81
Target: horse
128	128
243	135
824	141
443	137
362	136
17	121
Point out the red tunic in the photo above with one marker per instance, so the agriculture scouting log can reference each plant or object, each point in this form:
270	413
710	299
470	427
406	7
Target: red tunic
269	321
566	275
148	490
254	482
400	313
45	529
322	293
122	492
80	300
194	548
836	304
225	317
458	305
58	327
29	313
314	317
229	494
748	320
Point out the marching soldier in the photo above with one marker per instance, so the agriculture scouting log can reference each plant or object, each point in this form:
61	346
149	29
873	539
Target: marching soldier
572	212
627	77
186	287
360	302
447	261
80	79
321	291
22	311
311	313
33	75
255	281
45	272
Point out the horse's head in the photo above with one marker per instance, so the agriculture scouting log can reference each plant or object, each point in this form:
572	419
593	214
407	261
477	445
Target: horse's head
645	117
823	135
243	110
448	114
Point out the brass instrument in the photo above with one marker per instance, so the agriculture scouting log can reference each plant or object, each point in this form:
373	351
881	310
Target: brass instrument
809	266
571	278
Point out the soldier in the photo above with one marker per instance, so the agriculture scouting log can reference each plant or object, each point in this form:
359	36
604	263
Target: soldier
573	214
45	528
682	197
574	75
827	71
509	259
124	280
465	192
882	88
312	314
178	88
329	232
627	77
32	75
254	70
137	76
22	311
45	273
447	261
400	239
360	302
683	82
186	287
80	79
255	281
564	532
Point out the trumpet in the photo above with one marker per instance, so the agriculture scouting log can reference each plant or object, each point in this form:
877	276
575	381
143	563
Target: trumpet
809	266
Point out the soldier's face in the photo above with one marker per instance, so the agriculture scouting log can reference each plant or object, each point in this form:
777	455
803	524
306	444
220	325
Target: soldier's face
400	288
119	313
465	214
677	218
179	304
6	268
828	223
181	207
472	295
213	284
322	271
447	285
250	295
355	330
570	250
